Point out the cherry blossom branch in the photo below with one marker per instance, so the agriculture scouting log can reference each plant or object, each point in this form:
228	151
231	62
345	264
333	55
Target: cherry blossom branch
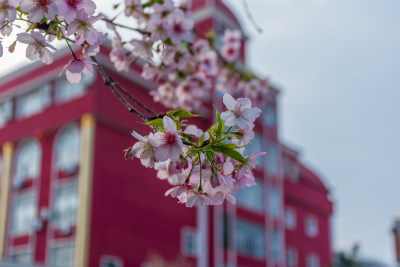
112	84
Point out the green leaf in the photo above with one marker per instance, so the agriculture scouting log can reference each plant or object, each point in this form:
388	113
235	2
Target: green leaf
181	113
232	154
157	122
201	140
152	2
220	125
223	145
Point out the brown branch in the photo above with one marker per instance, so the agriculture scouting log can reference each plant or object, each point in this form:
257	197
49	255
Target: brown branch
127	27
113	85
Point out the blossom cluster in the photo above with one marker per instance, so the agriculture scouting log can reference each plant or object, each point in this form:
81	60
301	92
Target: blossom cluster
202	167
187	65
47	20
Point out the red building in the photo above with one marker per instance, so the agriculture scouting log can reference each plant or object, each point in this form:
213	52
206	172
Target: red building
67	197
308	210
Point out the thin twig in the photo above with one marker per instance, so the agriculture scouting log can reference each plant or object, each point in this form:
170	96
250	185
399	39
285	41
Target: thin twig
135	99
250	17
127	27
112	84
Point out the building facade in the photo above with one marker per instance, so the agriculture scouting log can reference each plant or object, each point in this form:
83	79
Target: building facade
67	197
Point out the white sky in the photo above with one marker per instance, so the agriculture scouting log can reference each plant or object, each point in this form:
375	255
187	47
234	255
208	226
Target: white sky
338	65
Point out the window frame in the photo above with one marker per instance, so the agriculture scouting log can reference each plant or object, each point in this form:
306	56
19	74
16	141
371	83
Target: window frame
118	260
295	256
58	100
59	185
60	243
252	225
310	256
17	159
23	193
187	230
289	210
21	249
310	218
46	103
259	210
60	134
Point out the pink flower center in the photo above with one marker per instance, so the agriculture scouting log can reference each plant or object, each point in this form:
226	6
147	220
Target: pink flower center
74	3
170	138
41	3
178	28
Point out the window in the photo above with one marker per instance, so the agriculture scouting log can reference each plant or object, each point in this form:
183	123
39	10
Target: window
23	256
189	241
272	158
312	260
6	110
68	150
251	197
274	202
291	257
290	218
62	255
250	239
311	225
276	246
28	162
34	101
111	261
24	212
65	205
269	115
291	169
66	91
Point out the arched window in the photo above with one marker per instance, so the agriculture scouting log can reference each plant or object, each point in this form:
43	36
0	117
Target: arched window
68	150
28	161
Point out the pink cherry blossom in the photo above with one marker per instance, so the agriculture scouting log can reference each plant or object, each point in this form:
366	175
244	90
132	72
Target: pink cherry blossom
6	29
158	28
68	9
142	48
177	190
143	150
232	36
180	26
243	137
163	10
230	52
169	144
37	46
133	8
92	50
1	49
75	68
8	10
82	26
119	56
39	8
240	113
